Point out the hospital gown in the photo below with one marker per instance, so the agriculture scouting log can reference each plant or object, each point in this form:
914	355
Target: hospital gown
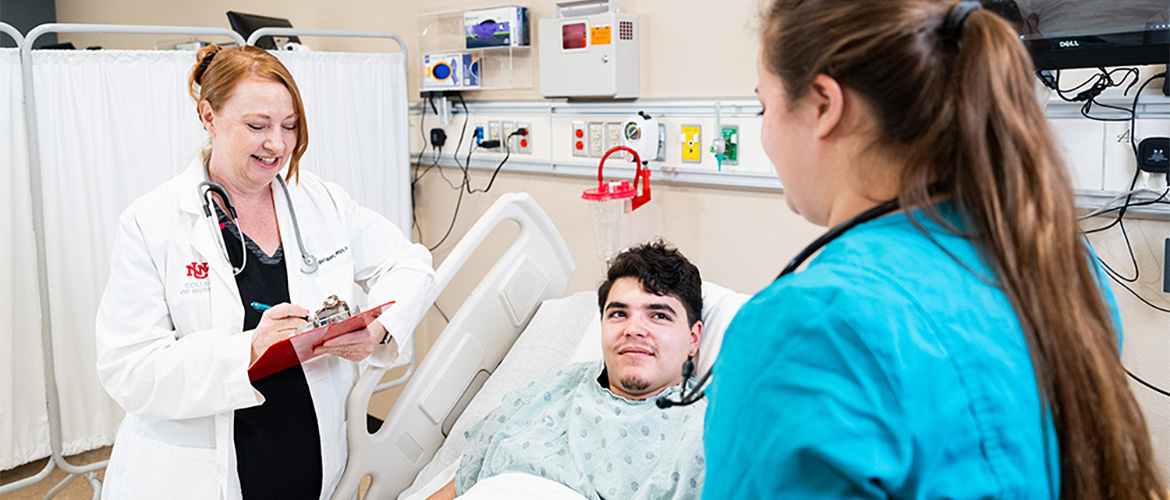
566	427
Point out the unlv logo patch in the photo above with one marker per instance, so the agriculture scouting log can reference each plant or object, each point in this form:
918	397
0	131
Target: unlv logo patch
197	270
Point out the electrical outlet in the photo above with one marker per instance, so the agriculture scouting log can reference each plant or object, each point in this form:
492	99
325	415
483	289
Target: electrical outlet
523	143
731	149
596	140
579	139
613	135
506	129
494	131
692	144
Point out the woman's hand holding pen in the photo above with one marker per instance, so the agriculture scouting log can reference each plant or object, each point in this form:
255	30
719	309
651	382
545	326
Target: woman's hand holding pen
278	323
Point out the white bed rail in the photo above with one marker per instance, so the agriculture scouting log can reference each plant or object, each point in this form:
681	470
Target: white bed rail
536	267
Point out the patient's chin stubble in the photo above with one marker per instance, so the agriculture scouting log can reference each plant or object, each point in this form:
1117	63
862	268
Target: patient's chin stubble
634	384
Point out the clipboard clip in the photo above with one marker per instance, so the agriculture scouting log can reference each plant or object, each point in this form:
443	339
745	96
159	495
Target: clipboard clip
333	310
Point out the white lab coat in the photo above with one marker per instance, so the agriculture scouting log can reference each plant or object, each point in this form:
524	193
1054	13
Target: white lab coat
169	341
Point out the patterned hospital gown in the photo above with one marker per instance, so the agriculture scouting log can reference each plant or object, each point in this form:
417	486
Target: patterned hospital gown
564	426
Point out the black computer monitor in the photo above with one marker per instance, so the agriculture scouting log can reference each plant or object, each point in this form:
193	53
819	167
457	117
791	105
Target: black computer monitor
1090	33
245	24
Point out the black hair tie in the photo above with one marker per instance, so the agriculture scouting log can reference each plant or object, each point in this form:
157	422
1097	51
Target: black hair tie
205	63
953	25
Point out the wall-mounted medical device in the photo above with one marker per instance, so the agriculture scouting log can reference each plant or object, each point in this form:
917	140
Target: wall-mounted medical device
458	70
644	134
589	50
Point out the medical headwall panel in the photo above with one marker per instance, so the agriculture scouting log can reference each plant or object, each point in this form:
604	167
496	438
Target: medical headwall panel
357	112
111	125
24	430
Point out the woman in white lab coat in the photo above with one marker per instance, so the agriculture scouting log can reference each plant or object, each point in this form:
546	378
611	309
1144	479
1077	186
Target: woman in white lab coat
175	337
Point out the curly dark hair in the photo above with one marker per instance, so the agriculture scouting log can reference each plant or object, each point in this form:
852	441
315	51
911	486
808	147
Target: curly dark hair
662	270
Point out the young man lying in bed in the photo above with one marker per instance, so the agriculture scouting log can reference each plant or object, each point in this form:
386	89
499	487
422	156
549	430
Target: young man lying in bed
593	427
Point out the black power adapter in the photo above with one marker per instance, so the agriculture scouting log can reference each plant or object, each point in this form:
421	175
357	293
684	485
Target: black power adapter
1154	155
438	137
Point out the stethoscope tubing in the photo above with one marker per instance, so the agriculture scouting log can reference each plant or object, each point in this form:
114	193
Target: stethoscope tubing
207	188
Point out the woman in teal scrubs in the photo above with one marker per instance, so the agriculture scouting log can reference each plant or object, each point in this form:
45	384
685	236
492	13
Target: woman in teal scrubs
957	343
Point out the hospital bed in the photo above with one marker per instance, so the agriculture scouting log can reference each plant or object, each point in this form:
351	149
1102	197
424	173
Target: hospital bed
514	326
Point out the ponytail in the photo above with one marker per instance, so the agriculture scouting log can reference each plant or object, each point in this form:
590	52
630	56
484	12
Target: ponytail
951	90
203	61
1016	189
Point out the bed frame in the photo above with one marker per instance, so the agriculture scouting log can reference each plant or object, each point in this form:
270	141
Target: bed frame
536	267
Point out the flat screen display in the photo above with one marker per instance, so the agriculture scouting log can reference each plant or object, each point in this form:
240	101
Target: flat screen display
245	24
1090	33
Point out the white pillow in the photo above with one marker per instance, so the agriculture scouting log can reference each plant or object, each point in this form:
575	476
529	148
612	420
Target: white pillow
720	305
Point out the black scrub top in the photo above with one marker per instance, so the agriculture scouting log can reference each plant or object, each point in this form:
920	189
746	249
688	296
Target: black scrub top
278	444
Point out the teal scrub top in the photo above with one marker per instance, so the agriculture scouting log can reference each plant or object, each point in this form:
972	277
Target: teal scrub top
886	369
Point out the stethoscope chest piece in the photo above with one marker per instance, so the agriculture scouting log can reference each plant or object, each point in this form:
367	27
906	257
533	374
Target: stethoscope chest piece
308	264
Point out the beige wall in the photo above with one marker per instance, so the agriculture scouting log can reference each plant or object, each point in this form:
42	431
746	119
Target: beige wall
738	238
722	40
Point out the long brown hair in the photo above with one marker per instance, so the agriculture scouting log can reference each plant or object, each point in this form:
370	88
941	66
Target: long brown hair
960	108
218	71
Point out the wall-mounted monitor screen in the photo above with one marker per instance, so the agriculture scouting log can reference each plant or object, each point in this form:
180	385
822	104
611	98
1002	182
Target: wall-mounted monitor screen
245	24
1090	33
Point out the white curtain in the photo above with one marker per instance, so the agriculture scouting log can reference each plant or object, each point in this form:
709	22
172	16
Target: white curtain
115	124
112	125
356	109
24	421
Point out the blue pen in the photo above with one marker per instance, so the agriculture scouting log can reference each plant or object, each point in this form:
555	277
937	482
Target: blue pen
264	307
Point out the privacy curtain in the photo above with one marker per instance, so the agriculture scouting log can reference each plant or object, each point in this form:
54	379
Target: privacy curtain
115	124
356	107
24	422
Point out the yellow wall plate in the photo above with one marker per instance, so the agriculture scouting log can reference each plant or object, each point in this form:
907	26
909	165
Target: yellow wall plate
692	144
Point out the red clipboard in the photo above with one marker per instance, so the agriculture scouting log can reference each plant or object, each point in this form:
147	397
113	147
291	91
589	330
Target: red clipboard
298	348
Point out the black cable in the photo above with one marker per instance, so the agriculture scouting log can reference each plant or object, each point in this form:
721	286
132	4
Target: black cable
1133	145
466	117
1109	273
423	132
454	217
413	205
507	154
1132	259
441	313
467	164
1120	219
1105	81
1152	387
455	153
1160	200
448	181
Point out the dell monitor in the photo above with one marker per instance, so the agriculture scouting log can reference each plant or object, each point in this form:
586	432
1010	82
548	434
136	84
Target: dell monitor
1064	34
245	24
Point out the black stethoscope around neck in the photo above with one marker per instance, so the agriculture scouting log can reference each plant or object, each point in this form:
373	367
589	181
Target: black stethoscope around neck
694	392
208	188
